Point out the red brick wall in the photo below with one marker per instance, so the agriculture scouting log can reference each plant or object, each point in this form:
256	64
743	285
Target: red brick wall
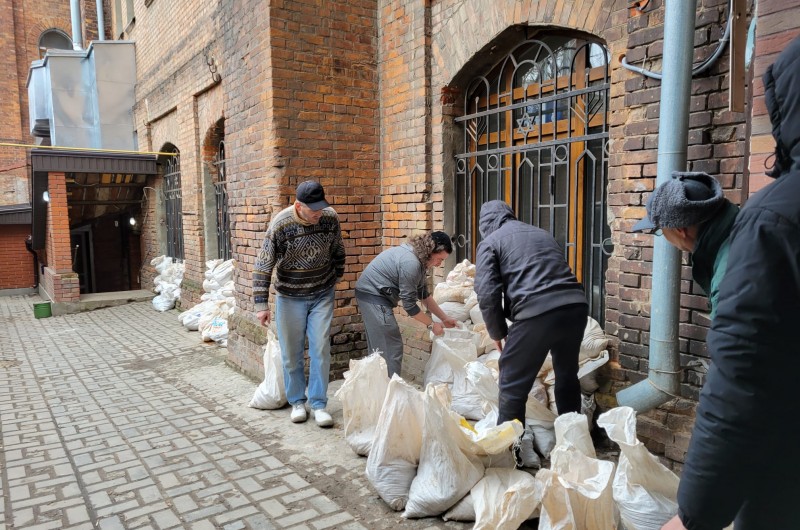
16	263
58	280
777	26
299	99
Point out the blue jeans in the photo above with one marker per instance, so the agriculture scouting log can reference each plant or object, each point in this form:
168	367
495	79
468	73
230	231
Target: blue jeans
296	317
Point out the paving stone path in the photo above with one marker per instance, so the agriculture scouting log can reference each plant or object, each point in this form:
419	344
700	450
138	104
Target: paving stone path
119	418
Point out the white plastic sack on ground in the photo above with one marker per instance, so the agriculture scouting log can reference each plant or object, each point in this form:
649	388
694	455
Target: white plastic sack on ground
447	470
223	273
576	492
464	510
191	318
541	420
210	324
474	390
572	430
271	394
210	265
594	340
362	395
644	489
396	447
491	360
217	331
585	368
163	302
503	499
445	353
587	374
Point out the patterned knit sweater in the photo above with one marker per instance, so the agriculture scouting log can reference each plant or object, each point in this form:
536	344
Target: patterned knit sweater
307	258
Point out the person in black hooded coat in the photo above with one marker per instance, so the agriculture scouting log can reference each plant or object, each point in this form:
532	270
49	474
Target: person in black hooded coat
521	274
743	461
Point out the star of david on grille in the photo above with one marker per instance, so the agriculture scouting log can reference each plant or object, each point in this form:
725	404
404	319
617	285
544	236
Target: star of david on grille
525	123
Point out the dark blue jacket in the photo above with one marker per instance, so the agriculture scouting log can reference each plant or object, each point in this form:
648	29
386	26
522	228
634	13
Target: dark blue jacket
520	271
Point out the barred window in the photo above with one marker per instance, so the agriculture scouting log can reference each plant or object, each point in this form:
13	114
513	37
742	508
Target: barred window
536	136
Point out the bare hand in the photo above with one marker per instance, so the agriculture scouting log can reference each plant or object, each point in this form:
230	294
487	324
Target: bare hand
438	329
449	322
499	344
674	524
264	317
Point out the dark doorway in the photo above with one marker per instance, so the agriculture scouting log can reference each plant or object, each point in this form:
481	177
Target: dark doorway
83	257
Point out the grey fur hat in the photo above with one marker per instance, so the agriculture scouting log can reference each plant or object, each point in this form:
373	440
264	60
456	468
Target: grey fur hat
686	199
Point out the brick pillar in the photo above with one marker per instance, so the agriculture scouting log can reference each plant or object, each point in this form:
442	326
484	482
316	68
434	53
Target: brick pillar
59	281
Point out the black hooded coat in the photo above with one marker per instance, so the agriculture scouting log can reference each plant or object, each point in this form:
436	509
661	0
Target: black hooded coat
743	460
520	271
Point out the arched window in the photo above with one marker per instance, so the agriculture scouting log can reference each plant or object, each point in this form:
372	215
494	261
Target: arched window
221	202
53	39
536	136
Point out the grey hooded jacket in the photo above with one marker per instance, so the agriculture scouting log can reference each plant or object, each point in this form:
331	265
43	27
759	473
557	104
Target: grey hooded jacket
520	271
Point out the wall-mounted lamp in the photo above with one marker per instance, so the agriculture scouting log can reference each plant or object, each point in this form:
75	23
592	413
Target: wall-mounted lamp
132	221
46	196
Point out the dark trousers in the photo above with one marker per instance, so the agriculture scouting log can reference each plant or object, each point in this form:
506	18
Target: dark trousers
560	332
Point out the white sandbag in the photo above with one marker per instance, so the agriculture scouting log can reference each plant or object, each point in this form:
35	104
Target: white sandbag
551	399
594	340
588	406
163	302
161	263
446	292
362	395
544	436
489	438
210	265
587	374
396	447
547	366
572	430
211	285
644	489
463	511
208	322
191	317
447	352
471	301
447	470
228	290
455	310
503	499
576	492
216	331
474	390
475	315
271	393
491	360
539	392
223	273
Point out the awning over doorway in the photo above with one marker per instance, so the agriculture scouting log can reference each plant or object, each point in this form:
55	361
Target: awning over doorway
123	170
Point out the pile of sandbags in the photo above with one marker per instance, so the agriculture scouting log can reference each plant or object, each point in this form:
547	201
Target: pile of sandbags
167	283
451	353
210	316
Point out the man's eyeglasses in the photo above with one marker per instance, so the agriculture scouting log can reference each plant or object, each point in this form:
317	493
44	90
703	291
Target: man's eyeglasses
655	232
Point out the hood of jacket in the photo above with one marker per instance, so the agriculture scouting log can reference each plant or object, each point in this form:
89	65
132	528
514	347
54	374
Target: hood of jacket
783	103
493	215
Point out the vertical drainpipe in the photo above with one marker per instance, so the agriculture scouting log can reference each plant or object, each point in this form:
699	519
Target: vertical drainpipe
663	382
101	23
75	14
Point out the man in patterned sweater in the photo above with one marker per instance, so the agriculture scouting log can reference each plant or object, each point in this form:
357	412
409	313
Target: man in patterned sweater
304	246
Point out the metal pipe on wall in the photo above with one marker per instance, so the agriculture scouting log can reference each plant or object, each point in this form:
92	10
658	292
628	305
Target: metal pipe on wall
101	22
75	15
663	381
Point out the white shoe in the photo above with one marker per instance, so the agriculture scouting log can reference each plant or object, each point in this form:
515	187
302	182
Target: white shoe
322	418
299	414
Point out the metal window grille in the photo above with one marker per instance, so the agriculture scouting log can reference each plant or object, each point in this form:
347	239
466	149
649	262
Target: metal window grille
221	196
536	136
173	206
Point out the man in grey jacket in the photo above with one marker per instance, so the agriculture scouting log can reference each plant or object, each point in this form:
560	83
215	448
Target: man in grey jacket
521	275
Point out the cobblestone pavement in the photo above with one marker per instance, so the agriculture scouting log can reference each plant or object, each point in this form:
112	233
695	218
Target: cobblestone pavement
118	418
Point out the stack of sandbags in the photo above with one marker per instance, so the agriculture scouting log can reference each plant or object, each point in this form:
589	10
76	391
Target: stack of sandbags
210	316
167	283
